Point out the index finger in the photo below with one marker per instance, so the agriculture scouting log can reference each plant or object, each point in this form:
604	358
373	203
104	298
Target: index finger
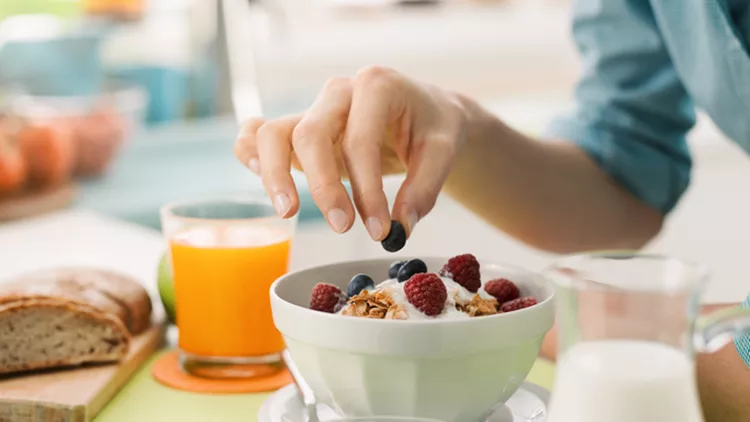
366	130
313	140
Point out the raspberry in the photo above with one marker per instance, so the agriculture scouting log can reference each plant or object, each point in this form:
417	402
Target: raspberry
427	293
502	289
520	303
464	270
326	298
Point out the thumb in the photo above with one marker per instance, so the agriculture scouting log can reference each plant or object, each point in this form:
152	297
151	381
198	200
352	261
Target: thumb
428	169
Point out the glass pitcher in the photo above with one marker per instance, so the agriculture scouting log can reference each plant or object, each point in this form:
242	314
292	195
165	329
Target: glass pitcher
629	327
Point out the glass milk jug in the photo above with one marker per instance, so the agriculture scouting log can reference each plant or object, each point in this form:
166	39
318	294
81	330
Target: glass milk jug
628	330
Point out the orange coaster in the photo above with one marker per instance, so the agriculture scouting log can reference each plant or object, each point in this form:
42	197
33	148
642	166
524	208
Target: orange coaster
167	371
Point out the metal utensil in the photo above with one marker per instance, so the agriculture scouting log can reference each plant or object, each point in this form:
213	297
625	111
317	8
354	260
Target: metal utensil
307	397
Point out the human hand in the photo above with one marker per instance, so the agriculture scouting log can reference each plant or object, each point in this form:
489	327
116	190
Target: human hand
378	123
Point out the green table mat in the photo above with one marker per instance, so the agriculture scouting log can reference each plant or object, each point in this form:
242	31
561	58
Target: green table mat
145	400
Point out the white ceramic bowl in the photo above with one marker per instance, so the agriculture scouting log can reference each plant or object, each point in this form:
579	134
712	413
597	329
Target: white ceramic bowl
454	371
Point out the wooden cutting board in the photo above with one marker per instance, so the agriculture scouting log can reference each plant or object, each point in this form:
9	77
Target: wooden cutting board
74	395
46	241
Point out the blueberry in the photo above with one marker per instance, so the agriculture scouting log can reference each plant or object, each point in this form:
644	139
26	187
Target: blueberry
415	266
359	282
396	238
393	269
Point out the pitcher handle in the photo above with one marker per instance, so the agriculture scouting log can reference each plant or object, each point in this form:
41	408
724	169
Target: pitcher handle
716	330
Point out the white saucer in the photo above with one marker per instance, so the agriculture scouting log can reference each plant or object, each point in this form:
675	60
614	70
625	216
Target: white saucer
529	404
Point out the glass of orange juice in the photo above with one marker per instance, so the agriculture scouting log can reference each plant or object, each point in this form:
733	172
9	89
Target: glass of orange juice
225	253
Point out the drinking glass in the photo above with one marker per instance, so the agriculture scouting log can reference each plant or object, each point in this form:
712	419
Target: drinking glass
225	254
628	327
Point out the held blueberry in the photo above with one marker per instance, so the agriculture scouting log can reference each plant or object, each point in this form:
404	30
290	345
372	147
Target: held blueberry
359	282
393	269
415	266
396	238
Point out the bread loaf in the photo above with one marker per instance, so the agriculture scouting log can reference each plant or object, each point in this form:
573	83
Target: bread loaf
69	316
48	333
104	290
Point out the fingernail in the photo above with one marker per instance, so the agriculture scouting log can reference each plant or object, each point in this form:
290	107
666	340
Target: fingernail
338	220
413	220
282	204
254	165
374	227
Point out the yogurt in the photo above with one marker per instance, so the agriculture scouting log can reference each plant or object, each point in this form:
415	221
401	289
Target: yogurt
395	290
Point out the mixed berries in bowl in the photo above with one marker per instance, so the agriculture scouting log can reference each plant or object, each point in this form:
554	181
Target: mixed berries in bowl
456	291
442	338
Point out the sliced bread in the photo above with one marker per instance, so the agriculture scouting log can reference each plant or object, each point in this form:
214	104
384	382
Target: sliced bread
48	332
107	291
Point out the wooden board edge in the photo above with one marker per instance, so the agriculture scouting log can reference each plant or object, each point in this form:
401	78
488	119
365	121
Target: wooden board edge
126	370
12	411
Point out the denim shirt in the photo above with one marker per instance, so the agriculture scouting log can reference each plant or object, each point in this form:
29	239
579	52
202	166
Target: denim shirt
647	65
743	342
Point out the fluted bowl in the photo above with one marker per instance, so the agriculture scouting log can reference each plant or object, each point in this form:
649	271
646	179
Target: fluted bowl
451	370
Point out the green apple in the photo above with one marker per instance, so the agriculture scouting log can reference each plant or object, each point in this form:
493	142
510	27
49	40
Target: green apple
166	287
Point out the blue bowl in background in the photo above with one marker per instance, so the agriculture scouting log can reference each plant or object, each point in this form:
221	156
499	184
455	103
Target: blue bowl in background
43	55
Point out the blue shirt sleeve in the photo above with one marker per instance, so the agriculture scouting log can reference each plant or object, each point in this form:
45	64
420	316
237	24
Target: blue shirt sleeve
632	111
742	342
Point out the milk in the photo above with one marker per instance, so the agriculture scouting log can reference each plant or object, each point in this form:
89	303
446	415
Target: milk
625	381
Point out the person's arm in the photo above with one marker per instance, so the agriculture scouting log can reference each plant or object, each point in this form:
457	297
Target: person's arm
550	195
724	386
723	378
628	162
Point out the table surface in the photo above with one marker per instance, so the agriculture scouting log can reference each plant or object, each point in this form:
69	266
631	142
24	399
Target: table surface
145	400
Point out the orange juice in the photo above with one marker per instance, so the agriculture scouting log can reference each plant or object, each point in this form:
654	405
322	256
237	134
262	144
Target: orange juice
222	294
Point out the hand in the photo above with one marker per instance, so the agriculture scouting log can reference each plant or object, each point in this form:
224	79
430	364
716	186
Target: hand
375	124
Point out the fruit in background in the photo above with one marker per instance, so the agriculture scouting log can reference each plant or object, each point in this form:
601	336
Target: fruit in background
49	153
165	284
13	167
97	137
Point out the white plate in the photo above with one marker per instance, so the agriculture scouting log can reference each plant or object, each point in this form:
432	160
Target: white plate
529	404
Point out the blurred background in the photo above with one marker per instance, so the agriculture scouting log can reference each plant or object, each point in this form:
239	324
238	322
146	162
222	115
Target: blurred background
119	106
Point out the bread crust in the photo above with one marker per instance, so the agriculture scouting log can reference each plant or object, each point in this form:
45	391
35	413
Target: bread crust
27	288
118	328
105	290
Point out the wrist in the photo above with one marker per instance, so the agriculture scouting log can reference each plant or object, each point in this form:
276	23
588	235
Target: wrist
478	125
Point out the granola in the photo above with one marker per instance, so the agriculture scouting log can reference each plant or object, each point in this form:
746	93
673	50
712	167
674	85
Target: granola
397	312
376	305
477	306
